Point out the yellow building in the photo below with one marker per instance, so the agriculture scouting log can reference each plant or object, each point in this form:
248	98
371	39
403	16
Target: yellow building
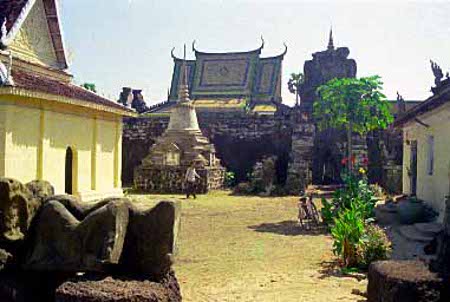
50	128
426	152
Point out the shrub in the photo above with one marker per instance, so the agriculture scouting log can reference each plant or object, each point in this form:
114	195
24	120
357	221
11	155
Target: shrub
347	233
243	188
349	215
375	245
357	193
230	179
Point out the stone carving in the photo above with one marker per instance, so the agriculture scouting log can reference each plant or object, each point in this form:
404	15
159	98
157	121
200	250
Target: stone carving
45	239
133	98
325	65
138	102
437	72
18	205
63	243
401	106
150	241
126	97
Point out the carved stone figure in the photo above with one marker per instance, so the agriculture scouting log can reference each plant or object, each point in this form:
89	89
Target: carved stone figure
401	106
61	242
150	241
18	205
138	102
437	72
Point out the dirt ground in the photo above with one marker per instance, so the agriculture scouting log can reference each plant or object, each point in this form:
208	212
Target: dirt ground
235	248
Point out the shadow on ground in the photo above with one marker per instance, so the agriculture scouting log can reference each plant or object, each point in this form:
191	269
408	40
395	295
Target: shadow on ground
288	228
333	269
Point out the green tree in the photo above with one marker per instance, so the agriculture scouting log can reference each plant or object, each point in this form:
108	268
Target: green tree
294	83
354	105
89	86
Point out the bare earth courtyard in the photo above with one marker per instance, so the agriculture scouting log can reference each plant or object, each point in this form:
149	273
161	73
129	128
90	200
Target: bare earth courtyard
239	248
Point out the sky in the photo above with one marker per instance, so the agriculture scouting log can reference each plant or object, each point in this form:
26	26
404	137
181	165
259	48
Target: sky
117	43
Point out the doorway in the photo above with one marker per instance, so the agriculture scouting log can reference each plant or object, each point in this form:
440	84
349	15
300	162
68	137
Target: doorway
69	171
413	168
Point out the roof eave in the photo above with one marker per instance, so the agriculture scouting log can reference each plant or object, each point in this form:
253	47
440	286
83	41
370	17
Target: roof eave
23	92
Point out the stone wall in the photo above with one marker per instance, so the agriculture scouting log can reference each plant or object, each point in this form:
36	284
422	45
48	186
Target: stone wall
172	179
240	140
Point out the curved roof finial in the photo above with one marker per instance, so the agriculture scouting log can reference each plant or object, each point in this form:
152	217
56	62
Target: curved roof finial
262	42
193	46
330	40
172	54
285	49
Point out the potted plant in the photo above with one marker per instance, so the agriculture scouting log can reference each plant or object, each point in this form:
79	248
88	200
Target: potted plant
411	210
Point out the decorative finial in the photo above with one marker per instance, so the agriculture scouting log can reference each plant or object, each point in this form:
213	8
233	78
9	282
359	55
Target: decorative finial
330	40
285	48
437	72
183	92
401	105
3	33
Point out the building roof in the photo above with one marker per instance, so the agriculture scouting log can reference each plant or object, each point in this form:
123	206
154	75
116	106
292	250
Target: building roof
36	83
14	12
409	104
230	75
440	98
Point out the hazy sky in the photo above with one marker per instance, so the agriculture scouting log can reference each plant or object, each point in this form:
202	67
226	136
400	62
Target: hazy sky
116	43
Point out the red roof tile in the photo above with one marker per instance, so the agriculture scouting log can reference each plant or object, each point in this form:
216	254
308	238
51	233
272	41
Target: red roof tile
46	85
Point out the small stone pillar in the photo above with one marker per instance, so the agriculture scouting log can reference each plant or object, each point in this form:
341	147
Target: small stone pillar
403	281
301	156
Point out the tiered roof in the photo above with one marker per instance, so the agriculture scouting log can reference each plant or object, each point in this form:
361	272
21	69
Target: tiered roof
229	78
32	79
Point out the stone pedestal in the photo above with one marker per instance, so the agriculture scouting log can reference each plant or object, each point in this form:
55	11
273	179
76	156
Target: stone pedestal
392	178
155	179
403	281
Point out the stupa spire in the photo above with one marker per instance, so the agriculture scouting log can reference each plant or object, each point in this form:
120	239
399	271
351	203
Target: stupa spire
183	93
330	40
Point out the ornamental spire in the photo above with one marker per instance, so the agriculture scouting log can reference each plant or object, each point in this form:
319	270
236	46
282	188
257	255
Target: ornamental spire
330	40
183	92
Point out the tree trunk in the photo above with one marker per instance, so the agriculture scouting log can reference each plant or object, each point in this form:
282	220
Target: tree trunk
350	147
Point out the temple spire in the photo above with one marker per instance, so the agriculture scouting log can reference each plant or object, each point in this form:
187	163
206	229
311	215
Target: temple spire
183	92
330	40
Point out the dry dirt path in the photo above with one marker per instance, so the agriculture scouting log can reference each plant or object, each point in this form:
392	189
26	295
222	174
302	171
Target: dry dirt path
234	248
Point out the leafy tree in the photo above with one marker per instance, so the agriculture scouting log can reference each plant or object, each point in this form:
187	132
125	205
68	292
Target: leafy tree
89	86
354	105
294	83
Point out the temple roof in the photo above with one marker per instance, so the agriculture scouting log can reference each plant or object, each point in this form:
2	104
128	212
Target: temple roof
14	12
432	103
230	75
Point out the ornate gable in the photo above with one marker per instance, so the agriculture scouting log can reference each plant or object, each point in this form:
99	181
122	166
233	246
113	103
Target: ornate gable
31	29
33	41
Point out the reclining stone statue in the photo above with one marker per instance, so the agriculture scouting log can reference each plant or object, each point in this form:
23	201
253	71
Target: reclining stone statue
59	233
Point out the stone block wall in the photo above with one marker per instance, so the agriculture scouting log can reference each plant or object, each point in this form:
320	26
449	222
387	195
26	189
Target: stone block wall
171	179
240	140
